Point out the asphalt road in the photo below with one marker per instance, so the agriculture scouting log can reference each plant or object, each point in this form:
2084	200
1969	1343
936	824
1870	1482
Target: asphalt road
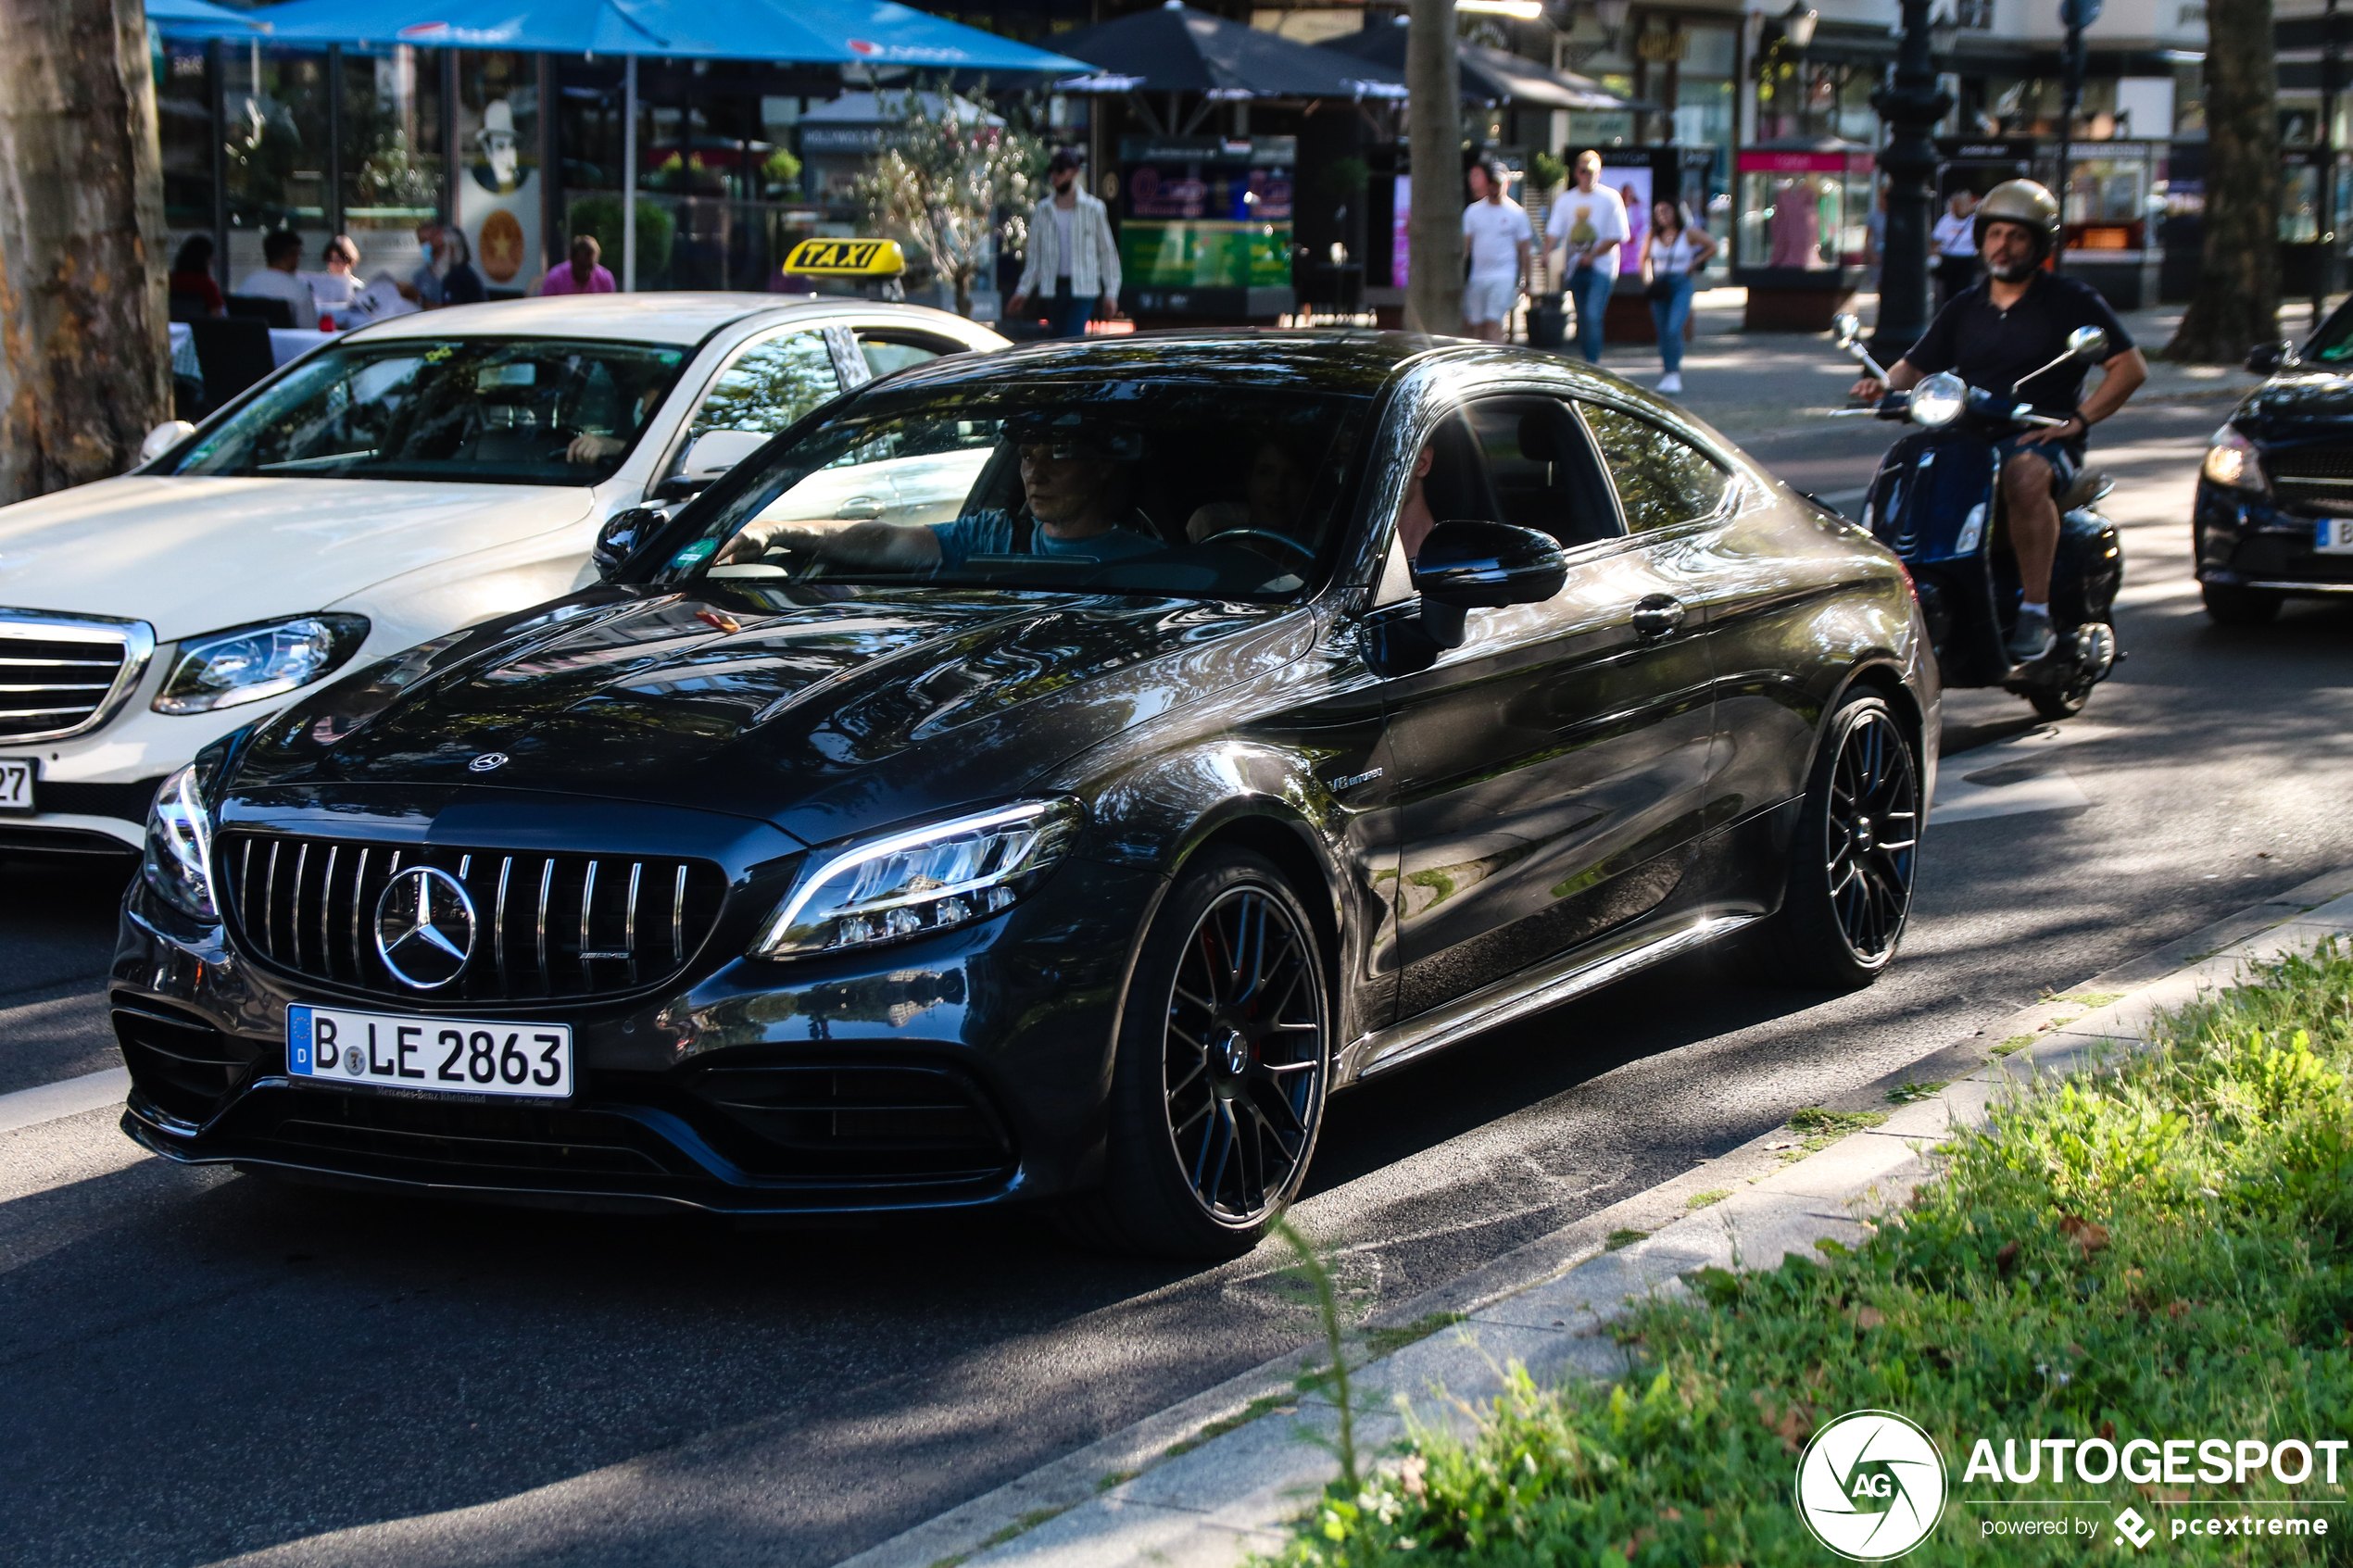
196	1366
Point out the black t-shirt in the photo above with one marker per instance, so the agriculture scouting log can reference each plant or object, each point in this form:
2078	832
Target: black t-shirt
1991	347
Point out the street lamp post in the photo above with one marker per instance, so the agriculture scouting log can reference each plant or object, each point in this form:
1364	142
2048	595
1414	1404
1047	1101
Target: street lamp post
1911	104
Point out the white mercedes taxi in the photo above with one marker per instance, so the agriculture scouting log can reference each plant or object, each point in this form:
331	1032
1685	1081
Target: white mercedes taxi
412	479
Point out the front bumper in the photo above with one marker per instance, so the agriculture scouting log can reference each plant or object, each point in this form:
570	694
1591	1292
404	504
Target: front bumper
90	791
968	1068
2248	539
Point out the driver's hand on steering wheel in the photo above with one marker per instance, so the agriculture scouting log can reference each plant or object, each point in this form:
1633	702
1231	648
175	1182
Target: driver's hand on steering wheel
1870	389
593	448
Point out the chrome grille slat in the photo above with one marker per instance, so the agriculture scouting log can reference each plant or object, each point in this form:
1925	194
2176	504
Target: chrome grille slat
83	666
317	922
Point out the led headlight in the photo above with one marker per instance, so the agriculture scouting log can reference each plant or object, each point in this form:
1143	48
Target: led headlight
178	857
927	879
1939	399
2231	459
249	663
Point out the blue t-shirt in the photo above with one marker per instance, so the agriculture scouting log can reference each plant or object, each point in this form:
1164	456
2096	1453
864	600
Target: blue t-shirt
991	532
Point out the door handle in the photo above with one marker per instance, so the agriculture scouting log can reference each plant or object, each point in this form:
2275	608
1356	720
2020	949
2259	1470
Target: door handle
858	509
1657	615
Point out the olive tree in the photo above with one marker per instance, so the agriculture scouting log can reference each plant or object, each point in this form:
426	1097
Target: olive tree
947	166
85	368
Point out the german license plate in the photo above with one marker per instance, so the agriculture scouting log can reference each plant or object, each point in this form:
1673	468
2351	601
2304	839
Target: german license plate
16	784
436	1055
2334	535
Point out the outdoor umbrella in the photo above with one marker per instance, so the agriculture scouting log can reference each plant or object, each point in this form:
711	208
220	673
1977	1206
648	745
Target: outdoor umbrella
200	18
801	31
1489	76
1177	49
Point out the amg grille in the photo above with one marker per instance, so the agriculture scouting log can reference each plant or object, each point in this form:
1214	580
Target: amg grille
2328	469
58	674
545	926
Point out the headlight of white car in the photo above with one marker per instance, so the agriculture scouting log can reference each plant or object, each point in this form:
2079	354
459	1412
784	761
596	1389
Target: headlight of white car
2231	459
926	879
178	857
1938	400
249	663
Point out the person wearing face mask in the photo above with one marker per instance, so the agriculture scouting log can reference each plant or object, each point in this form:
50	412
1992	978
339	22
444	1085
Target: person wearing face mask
1072	263
2015	320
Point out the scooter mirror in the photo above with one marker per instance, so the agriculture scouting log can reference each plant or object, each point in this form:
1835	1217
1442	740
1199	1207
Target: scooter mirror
2087	344
1845	327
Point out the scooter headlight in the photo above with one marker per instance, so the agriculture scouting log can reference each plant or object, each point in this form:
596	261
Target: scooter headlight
1939	399
2232	460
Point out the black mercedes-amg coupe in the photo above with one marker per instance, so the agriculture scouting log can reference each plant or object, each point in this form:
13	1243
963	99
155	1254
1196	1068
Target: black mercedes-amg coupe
1042	776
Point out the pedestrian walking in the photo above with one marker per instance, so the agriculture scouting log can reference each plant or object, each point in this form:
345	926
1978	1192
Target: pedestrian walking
1497	236
1588	223
1953	243
1673	252
1072	263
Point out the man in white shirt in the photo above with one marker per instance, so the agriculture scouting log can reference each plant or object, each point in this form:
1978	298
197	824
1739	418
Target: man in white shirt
1496	234
281	253
1953	245
1589	222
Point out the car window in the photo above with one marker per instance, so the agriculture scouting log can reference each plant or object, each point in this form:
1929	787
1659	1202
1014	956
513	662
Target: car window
769	386
886	352
495	410
1662	479
1543	469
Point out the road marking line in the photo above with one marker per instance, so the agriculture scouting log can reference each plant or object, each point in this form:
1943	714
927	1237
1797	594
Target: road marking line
92	1091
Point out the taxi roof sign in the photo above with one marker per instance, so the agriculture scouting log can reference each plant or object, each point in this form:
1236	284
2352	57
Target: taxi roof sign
847	258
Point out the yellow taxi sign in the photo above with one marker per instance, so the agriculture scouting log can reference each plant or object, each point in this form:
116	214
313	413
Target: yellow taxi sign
847	258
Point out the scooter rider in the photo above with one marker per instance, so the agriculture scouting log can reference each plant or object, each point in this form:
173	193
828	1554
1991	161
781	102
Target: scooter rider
2015	320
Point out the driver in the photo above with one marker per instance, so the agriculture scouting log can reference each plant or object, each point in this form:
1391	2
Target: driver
1075	482
2010	324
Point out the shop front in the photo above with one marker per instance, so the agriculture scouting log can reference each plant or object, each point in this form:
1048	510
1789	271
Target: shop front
1801	242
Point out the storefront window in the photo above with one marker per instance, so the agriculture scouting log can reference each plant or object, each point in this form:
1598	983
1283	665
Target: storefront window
183	110
1804	210
277	148
2300	204
392	159
499	180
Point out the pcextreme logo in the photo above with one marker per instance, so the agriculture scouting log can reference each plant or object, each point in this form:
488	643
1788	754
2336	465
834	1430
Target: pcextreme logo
1871	1486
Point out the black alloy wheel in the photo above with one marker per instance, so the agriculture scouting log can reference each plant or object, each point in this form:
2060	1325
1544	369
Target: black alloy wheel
1225	1054
1851	868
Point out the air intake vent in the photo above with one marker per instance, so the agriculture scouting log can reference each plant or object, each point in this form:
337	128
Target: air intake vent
541	926
2313	467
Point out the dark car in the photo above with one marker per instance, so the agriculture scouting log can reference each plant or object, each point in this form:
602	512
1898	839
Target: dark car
2274	512
1073	847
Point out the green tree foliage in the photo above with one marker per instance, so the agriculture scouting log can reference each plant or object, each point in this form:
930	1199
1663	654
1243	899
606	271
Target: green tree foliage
948	169
656	230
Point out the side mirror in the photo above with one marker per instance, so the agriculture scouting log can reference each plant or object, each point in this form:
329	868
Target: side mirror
1471	564
163	438
716	451
1845	327
619	537
2087	345
2264	358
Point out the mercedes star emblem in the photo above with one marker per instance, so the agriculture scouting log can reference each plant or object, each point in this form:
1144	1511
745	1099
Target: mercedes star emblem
424	927
487	761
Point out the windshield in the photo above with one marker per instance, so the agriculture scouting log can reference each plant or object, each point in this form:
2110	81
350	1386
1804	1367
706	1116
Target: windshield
2333	345
1192	486
480	411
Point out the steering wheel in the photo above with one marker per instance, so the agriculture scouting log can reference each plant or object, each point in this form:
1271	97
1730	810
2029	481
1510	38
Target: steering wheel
1306	552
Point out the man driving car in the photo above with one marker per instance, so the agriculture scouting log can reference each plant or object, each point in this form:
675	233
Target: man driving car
1074	481
2014	321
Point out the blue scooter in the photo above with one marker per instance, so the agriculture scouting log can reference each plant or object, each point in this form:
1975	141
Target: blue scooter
1936	501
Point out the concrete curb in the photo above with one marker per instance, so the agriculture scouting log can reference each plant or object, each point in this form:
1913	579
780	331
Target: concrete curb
1203	1481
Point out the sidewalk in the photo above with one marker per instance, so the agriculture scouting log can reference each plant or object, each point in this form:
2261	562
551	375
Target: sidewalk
1205	1482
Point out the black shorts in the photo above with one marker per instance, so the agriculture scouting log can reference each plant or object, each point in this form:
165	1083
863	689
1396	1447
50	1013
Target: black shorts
2066	462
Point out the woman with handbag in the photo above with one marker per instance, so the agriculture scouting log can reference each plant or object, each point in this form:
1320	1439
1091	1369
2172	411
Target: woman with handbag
1673	253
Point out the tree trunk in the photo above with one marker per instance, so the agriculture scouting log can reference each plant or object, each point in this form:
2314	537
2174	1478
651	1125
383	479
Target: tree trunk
2237	303
85	368
1434	104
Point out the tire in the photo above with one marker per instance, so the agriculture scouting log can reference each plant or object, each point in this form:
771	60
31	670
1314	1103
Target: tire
1217	1094
1851	865
2228	606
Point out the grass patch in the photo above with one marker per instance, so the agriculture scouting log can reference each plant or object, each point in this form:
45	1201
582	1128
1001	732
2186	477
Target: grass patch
2165	1251
1384	1341
1703	1199
1262	1405
2015	1044
1111	1478
1909	1093
1020	1526
1624	1238
1817	1129
2095	998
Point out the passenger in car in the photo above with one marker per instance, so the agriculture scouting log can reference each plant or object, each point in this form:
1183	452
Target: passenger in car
1274	498
1077	507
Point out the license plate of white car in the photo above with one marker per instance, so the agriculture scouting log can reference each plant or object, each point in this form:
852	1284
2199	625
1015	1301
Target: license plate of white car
16	784
2334	535
434	1055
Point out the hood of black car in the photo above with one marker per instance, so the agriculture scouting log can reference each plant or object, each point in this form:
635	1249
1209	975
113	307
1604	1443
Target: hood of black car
826	717
2298	406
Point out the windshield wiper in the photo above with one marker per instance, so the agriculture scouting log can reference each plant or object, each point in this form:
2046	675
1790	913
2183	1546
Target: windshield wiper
331	460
